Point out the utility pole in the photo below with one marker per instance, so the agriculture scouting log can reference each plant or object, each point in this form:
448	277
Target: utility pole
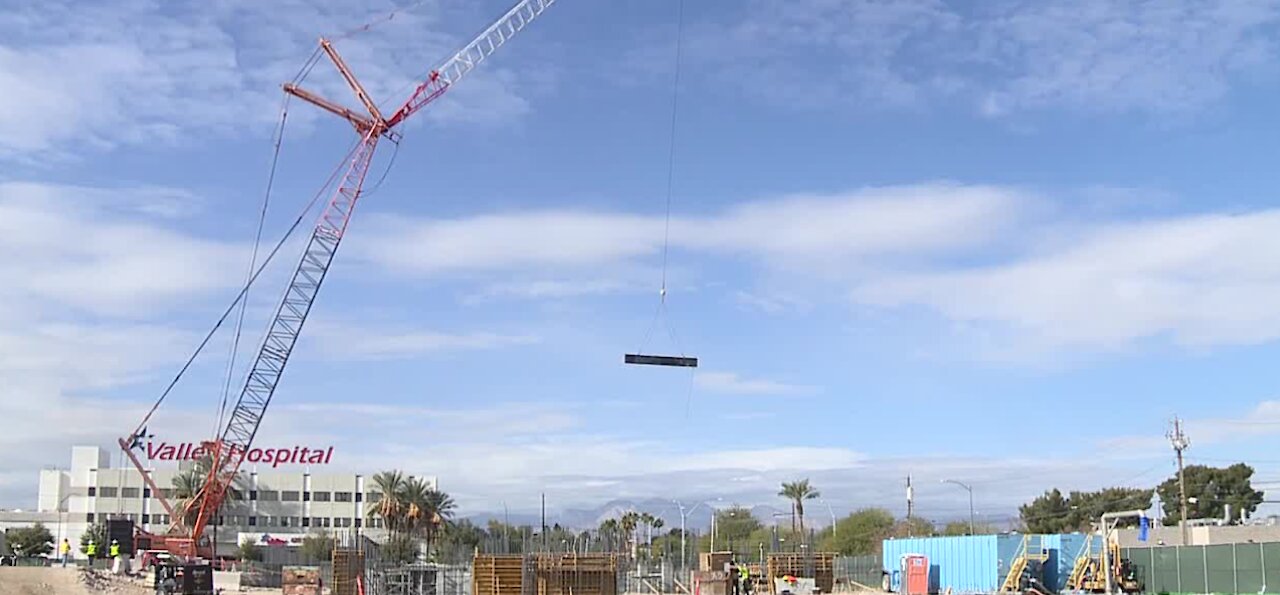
910	499
1180	443
544	521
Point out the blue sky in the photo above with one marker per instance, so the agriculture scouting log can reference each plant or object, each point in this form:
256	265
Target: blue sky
1000	242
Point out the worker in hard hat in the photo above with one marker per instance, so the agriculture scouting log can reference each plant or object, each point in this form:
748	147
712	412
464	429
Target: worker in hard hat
91	550
744	576
114	552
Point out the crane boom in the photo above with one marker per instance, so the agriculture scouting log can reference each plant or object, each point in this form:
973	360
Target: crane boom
228	450
471	55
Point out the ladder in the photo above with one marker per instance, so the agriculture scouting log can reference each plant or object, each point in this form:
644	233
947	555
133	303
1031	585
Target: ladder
1030	557
1083	566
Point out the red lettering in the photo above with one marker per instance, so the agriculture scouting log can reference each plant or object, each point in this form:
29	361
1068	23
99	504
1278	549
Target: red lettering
255	455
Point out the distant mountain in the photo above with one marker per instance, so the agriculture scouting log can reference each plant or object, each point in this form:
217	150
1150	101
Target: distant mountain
697	518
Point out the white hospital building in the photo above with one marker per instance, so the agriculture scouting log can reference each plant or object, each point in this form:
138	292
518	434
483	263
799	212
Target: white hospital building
275	499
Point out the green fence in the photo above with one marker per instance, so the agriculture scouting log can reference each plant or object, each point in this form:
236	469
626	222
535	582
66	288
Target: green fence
854	573
1228	568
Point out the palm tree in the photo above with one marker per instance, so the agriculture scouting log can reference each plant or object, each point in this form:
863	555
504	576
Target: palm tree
426	508
628	523
798	491
390	506
609	529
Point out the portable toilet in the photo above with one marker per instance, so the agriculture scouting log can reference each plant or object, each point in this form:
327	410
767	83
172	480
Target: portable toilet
915	574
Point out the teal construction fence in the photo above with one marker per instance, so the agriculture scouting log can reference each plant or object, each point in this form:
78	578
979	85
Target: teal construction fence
1228	568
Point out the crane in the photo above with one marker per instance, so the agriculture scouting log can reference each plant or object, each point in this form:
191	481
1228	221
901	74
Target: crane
227	450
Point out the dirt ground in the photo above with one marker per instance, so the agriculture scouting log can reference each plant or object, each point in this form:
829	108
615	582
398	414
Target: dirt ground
76	581
66	581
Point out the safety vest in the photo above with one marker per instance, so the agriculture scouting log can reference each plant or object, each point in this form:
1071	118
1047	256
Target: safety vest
64	548
744	572
91	550
115	550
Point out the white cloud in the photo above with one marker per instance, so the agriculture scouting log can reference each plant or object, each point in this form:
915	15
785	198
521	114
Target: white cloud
814	231
133	72
1000	57
1199	280
363	341
731	383
1262	420
78	247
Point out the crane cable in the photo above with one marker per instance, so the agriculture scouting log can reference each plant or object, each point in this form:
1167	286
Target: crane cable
661	310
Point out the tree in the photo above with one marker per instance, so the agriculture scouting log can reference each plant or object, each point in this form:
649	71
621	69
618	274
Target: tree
735	526
399	549
1212	489
955	528
425	509
798	492
1051	512
459	540
913	527
860	533
96	533
389	505
249	551
317	547
30	541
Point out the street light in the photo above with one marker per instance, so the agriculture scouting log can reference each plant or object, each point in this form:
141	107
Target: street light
969	489
683	514
831	512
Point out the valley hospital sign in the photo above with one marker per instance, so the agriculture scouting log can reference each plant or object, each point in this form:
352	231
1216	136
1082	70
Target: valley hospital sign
190	451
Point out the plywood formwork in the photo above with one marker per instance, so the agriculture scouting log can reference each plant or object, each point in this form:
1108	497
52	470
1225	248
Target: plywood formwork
498	574
348	568
576	574
818	566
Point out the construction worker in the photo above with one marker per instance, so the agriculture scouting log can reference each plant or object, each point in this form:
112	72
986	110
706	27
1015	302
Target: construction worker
733	577
64	550
91	550
114	552
744	575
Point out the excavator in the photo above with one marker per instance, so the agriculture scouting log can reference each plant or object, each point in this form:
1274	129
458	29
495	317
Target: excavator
1088	575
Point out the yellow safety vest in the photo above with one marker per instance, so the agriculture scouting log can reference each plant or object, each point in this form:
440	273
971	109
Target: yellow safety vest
91	549
115	550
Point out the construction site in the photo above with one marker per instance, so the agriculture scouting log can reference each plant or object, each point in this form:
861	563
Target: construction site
227	512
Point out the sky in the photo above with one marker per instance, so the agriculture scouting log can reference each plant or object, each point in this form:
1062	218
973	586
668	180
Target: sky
1000	242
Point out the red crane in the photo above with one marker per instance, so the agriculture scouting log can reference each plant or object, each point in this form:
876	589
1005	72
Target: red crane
228	449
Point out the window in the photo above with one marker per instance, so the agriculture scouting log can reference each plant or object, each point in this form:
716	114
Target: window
128	492
107	492
88	518
146	492
320	496
359	496
306	521
358	520
322	522
306	496
342	496
93	492
289	496
268	495
253	521
285	522
342	522
146	519
253	494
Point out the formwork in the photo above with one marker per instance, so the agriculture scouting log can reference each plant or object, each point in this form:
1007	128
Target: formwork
498	574
348	569
818	566
545	574
576	574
